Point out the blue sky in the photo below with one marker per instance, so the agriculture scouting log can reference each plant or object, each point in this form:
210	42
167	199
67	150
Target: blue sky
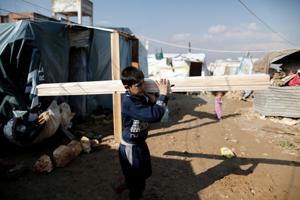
208	24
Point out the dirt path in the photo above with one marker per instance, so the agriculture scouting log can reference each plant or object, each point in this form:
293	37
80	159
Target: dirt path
265	168
186	159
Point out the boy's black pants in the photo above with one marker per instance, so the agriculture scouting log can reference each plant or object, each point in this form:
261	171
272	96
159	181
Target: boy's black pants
136	166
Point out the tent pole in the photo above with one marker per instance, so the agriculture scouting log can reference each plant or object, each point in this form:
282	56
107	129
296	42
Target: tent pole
116	72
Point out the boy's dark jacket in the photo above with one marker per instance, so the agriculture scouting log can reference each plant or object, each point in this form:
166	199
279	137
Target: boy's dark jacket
137	112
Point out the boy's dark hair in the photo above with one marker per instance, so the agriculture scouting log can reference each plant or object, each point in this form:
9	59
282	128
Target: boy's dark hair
215	93
131	75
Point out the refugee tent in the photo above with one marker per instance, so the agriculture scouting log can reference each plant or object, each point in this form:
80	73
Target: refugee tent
279	101
34	52
242	65
176	65
224	67
263	65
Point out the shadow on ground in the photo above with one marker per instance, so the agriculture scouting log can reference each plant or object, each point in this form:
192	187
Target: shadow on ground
89	177
179	109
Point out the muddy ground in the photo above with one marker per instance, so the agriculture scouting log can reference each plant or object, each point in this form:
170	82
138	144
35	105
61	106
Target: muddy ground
186	159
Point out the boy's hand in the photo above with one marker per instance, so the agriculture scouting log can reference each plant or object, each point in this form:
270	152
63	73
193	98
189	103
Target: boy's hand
163	86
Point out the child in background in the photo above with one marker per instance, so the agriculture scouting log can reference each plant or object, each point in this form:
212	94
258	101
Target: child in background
295	81
218	103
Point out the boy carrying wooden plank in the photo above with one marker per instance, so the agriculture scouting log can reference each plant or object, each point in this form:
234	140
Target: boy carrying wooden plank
138	110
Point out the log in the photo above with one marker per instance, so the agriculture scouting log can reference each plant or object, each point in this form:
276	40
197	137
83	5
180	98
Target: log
64	154
43	164
182	84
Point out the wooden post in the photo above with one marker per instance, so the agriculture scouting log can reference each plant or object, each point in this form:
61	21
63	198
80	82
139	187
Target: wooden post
79	11
135	53
116	75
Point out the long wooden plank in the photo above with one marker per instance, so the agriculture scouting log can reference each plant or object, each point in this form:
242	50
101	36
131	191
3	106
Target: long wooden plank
185	84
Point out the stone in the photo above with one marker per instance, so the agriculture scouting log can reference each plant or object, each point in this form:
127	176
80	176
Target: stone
76	147
95	143
62	155
43	164
85	144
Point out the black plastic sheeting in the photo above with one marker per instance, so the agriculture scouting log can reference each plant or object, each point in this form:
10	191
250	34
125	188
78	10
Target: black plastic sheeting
27	47
40	52
33	52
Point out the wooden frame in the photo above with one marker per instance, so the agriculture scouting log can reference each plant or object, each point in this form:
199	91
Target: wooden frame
184	84
116	75
115	87
180	84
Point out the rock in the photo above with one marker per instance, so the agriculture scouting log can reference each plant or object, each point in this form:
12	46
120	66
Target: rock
65	153
62	155
43	164
95	143
85	144
75	147
227	152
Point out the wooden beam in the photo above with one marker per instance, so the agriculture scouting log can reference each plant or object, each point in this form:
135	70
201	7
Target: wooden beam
135	52
184	84
116	75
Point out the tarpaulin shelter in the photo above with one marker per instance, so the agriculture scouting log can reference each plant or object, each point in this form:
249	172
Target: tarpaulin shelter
279	101
34	52
169	65
286	57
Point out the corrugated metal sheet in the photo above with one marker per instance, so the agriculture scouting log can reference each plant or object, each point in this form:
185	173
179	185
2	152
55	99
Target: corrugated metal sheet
278	101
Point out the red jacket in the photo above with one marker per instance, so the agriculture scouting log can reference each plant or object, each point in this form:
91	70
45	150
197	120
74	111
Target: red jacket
295	81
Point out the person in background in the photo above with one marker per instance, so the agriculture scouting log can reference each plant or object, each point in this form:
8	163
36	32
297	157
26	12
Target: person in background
218	103
138	110
295	81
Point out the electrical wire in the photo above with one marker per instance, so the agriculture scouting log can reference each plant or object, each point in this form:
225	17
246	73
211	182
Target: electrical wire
201	49
267	25
185	47
36	5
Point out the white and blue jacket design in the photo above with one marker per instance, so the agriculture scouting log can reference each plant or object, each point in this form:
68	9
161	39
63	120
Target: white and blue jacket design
137	112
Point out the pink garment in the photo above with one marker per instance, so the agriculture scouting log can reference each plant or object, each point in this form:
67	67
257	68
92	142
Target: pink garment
295	81
218	107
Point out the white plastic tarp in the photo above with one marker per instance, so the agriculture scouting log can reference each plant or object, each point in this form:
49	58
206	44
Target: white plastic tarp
172	65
